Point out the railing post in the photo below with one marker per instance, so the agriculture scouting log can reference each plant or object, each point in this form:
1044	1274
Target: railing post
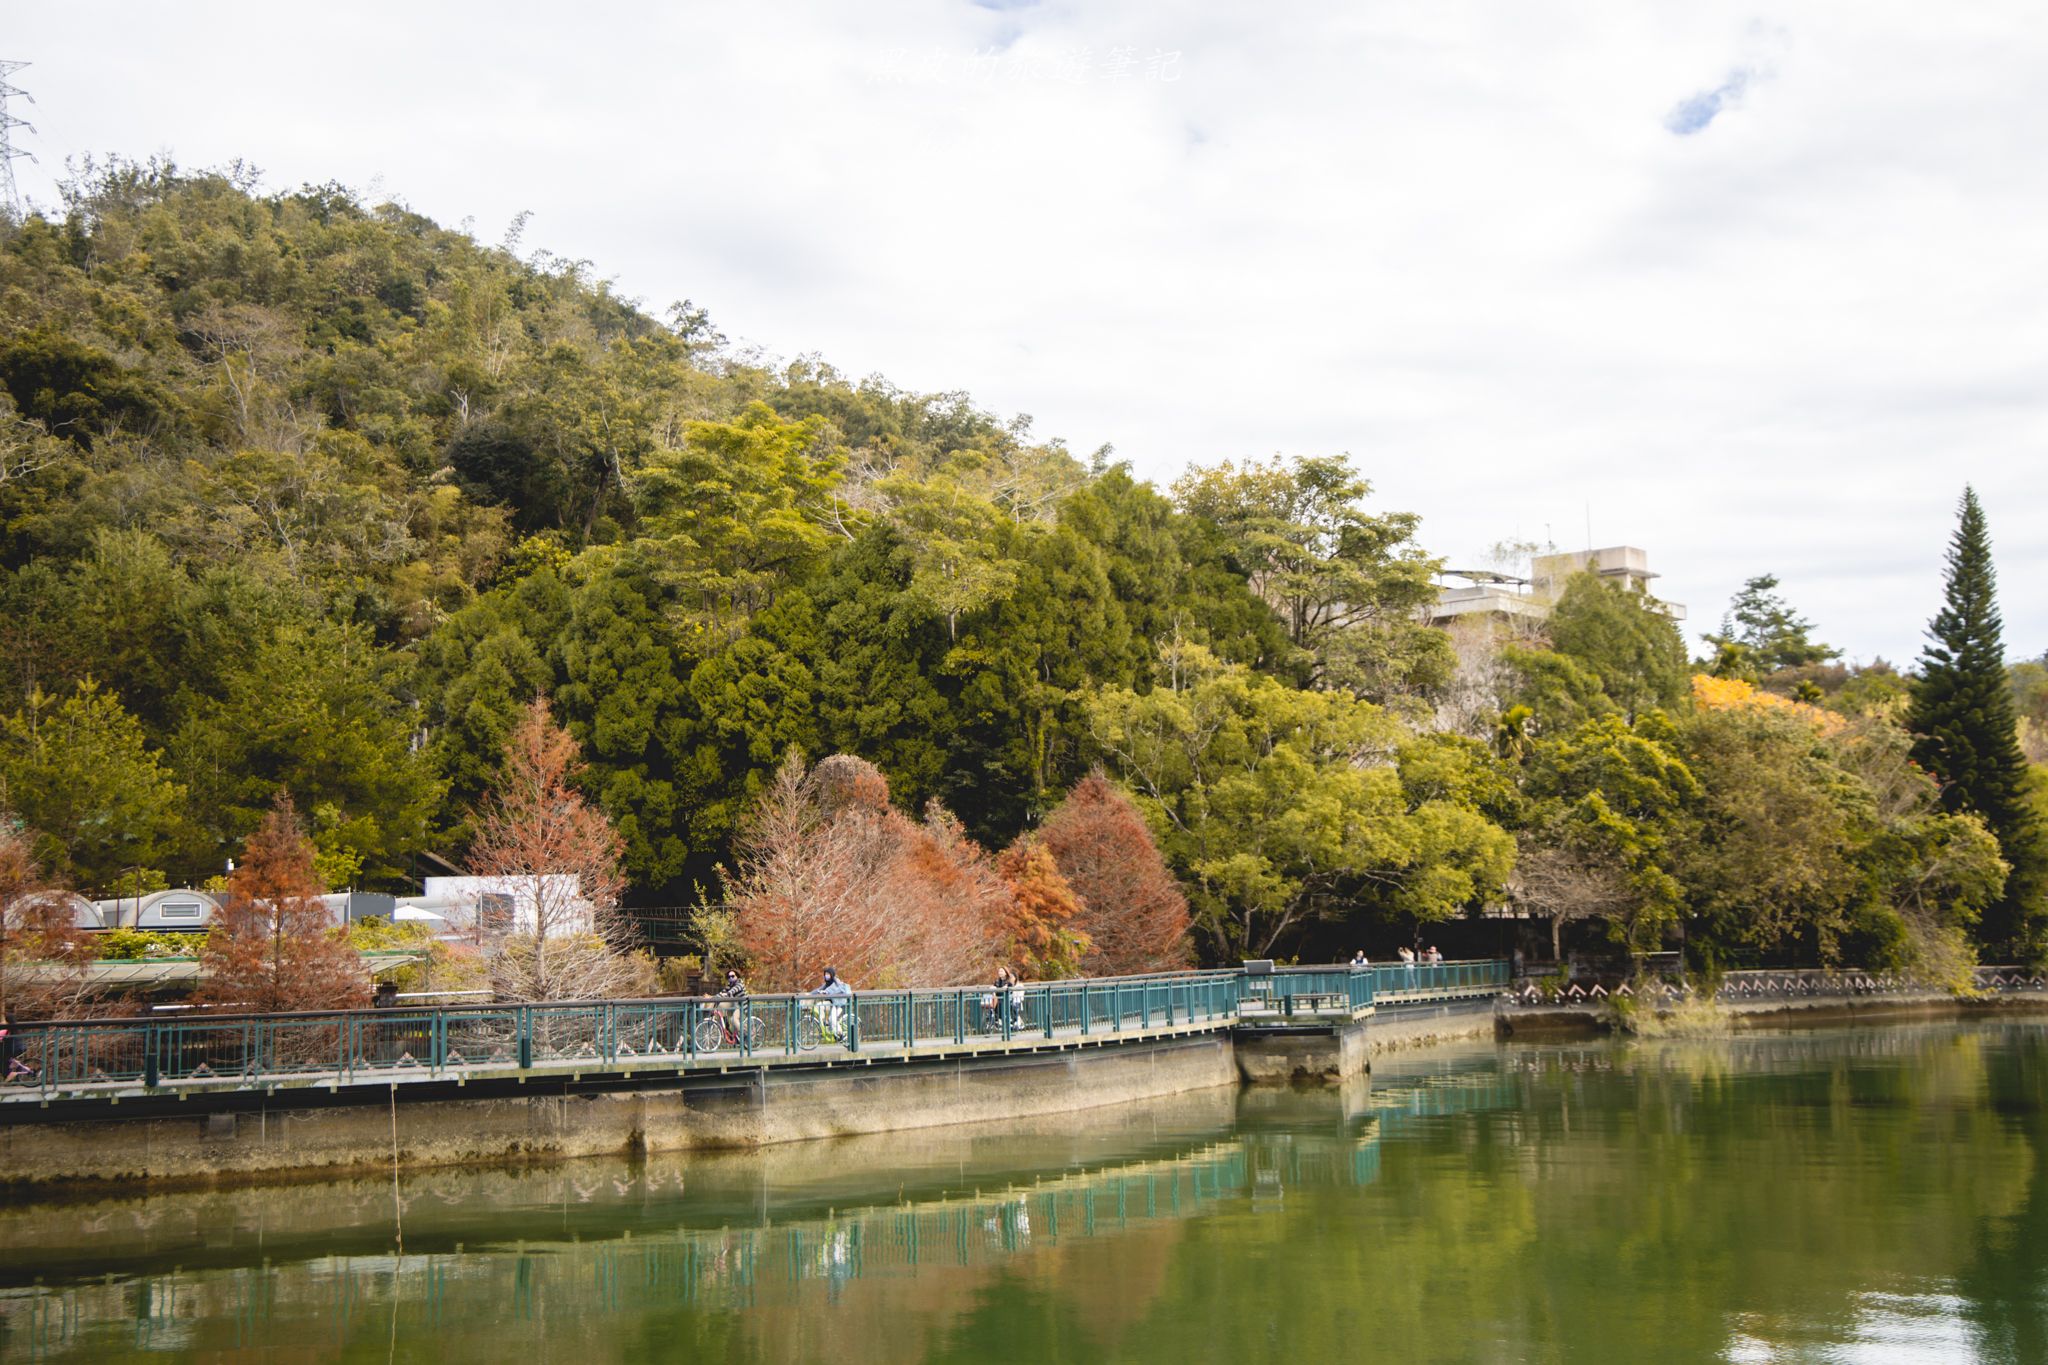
852	1023
1084	1007
1047	1010
522	1022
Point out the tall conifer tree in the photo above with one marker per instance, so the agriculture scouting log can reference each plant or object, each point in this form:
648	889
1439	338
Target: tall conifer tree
1966	734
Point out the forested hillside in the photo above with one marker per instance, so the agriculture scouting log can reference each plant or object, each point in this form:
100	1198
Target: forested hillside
302	493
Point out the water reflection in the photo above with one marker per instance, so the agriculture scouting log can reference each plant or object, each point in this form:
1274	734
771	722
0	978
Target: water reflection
1816	1196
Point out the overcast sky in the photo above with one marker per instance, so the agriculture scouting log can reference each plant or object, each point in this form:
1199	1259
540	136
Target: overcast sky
1756	289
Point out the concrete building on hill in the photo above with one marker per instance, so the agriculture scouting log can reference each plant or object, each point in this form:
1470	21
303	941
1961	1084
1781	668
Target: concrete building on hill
1493	598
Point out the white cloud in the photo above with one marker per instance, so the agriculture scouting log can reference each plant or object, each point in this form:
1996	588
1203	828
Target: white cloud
1455	239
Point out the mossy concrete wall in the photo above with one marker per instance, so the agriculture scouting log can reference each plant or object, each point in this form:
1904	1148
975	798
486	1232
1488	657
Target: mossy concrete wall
1441	1022
1304	1054
1301	1054
748	1107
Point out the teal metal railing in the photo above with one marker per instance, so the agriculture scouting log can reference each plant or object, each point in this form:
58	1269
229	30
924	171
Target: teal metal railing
1413	980
1295	988
621	1035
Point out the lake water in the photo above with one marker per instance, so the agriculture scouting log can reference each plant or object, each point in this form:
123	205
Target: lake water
1878	1195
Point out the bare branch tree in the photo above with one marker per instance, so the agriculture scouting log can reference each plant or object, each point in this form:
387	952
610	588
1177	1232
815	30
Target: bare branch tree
44	957
1565	883
829	873
557	858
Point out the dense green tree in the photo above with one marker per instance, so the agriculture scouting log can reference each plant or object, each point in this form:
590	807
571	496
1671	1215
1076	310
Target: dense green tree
79	772
314	711
497	463
75	391
1348	585
1283	806
1967	735
1770	863
1929	874
480	668
1875	688
622	691
1611	803
1762	634
1556	691
1624	640
1171	574
739	510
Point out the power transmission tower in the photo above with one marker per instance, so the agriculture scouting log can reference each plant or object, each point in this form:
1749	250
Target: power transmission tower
10	193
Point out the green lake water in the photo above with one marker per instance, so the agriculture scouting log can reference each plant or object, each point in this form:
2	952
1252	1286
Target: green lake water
1877	1195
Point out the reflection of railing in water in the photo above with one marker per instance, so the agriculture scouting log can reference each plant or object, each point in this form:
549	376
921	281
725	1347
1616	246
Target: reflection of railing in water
959	1232
725	1266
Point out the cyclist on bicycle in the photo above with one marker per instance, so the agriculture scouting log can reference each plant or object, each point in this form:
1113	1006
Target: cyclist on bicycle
839	991
726	1021
735	992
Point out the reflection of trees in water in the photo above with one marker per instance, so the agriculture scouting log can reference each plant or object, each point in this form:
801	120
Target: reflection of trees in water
731	1268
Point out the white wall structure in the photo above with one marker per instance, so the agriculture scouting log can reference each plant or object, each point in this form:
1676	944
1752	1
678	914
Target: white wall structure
475	906
181	908
1505	599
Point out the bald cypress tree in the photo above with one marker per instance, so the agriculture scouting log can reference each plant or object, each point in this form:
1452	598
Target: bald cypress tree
1966	734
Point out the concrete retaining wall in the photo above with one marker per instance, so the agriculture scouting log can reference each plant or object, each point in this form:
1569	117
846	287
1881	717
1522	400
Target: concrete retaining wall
741	1108
1417	1025
1308	1054
1283	1056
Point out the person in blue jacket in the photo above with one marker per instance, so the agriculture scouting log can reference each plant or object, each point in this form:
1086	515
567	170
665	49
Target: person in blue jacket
840	992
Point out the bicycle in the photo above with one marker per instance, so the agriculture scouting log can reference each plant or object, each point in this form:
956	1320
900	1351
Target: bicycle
715	1030
816	1025
995	1005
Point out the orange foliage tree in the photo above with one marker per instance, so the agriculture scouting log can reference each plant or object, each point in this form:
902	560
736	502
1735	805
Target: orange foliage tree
828	873
1132	909
272	946
43	954
1733	694
1040	935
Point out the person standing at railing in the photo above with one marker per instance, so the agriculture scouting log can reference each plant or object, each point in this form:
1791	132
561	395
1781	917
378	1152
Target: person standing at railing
994	1003
1014	998
1359	960
1408	965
